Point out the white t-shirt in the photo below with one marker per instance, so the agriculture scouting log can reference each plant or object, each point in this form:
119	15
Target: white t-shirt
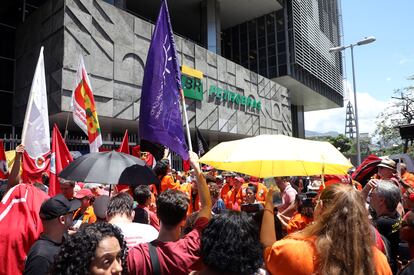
136	233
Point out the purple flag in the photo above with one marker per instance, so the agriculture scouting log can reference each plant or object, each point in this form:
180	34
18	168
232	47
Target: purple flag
160	116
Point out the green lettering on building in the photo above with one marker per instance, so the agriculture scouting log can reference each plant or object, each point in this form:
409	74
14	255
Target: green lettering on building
238	99
192	87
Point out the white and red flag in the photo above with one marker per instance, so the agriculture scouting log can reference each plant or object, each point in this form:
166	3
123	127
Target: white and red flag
84	108
36	133
4	169
59	159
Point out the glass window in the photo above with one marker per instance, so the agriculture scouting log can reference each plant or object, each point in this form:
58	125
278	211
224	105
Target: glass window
7	34
281	36
272	60
281	59
271	50
262	53
7	108
272	71
271	38
281	47
7	74
282	70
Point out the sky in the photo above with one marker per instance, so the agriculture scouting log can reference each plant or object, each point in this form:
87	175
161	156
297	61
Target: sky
380	67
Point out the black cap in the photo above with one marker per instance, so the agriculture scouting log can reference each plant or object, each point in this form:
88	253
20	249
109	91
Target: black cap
58	206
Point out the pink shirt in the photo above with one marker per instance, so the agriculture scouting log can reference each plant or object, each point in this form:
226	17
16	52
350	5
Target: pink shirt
288	197
179	257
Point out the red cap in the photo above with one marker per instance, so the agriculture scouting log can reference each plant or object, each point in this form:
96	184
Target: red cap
83	193
240	179
337	179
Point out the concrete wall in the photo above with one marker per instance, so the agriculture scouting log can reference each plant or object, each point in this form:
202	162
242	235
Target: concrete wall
114	44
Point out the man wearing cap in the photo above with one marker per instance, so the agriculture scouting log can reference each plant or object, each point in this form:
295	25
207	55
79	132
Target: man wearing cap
387	169
56	214
85	213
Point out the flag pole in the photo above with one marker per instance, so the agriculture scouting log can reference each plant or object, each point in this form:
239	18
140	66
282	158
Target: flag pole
66	127
187	127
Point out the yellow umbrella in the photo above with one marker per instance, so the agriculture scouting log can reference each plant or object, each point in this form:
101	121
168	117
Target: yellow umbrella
277	155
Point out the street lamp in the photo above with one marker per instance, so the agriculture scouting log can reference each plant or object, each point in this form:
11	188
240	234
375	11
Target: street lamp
364	41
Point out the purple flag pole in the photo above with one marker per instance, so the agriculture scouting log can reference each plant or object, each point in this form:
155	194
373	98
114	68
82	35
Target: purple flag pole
187	127
160	115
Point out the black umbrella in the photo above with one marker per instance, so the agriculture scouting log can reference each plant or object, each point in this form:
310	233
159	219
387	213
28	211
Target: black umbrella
107	168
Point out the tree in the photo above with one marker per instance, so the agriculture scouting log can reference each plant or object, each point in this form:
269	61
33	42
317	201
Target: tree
341	142
399	112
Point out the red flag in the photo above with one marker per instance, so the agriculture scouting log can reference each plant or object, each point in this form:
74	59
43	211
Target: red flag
4	171
124	148
136	151
20	225
148	158
59	159
32	169
186	165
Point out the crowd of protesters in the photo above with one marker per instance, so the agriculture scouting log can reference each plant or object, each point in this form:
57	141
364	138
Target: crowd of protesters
220	222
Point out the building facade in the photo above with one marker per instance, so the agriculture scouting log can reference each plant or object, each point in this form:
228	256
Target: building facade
247	69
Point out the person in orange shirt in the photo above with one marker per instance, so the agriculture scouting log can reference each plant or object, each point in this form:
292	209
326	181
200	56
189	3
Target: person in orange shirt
407	177
261	189
302	217
234	196
162	170
321	248
190	188
229	178
85	213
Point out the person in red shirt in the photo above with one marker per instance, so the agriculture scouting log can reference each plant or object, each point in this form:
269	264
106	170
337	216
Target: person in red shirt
142	196
175	256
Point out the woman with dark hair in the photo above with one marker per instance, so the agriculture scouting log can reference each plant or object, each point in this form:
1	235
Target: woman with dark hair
230	245
216	201
98	248
163	171
338	242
